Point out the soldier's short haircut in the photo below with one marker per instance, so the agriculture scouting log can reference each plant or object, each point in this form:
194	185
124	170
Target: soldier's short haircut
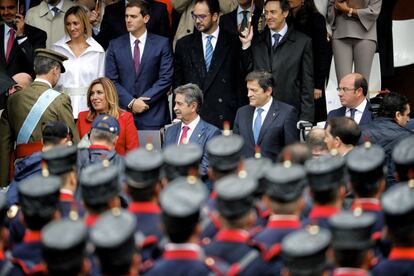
97	134
43	65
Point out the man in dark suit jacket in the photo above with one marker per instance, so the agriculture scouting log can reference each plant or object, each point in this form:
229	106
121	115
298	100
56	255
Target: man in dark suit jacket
265	122
113	21
144	78
192	129
289	58
26	39
352	92
217	76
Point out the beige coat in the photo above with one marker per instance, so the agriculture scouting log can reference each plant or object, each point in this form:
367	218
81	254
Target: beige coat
186	24
41	17
18	107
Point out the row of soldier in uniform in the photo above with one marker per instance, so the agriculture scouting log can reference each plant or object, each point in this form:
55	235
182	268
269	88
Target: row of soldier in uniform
154	215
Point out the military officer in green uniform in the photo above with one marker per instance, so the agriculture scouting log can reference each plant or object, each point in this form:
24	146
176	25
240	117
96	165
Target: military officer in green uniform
29	110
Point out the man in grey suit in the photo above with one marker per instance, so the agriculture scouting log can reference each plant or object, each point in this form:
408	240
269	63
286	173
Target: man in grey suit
192	129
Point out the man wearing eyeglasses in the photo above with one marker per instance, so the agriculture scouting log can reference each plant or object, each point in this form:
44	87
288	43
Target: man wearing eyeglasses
352	92
210	58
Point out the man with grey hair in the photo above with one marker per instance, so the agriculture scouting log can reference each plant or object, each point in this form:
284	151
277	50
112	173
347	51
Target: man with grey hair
30	109
192	129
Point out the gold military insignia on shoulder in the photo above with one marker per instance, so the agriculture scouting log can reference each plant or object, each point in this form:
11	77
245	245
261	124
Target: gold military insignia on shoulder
12	212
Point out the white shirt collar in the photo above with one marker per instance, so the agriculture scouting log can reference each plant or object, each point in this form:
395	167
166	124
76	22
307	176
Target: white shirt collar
181	246
44	81
142	38
214	34
360	107
193	124
282	32
266	107
240	9
59	6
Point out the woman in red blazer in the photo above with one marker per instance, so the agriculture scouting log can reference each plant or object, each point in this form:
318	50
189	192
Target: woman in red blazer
103	98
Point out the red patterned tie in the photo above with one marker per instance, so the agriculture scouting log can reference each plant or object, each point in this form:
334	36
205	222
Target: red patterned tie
183	139
10	44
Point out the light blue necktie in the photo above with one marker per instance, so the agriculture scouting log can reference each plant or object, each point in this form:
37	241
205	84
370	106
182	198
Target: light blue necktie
209	52
257	125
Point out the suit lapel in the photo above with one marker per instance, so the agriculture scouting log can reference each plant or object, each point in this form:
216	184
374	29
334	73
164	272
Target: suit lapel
2	56
197	58
148	53
249	124
366	115
272	114
197	133
219	55
126	56
175	132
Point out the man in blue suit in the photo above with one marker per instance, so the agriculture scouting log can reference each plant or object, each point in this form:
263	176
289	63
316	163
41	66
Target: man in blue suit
352	92
141	66
192	129
266	122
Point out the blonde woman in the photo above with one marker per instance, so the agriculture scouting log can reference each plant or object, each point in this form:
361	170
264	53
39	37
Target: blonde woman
103	98
86	58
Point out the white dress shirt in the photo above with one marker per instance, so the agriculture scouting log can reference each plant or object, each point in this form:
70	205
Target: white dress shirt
191	127
265	108
282	33
213	40
80	71
141	44
359	110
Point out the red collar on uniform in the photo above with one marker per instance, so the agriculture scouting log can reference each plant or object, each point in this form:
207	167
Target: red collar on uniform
401	253
283	222
181	253
345	271
2	256
144	207
320	211
98	147
91	219
367	204
213	195
232	235
31	236
65	196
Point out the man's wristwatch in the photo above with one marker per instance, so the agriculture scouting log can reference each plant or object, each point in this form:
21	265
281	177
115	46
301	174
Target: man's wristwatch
349	14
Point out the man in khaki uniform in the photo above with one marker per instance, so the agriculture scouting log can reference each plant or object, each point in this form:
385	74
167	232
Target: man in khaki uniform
19	122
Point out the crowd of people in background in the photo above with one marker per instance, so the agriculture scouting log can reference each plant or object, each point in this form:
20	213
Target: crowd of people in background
240	183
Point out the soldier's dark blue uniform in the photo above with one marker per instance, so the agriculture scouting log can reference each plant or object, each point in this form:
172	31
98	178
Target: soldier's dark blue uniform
64	247
181	202
398	207
39	200
285	184
96	153
113	238
326	176
142	176
304	251
6	266
351	239
100	187
61	161
233	244
366	171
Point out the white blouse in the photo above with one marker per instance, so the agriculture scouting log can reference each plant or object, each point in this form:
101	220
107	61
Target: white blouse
80	71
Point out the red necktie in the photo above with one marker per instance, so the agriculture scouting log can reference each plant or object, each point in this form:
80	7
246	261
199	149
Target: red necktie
183	139
10	43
